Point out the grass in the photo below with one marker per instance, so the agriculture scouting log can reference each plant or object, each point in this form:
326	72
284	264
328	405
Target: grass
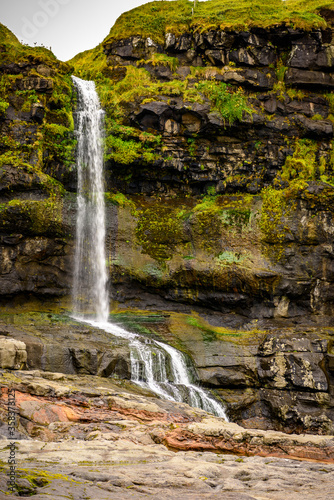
231	104
154	19
161	60
54	139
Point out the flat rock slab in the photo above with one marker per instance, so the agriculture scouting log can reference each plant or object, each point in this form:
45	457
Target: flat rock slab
122	470
85	437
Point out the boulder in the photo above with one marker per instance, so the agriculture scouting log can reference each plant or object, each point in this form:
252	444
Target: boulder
13	354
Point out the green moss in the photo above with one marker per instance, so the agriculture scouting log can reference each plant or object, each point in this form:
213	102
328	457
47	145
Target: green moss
210	333
154	19
119	199
295	94
37	217
275	208
330	99
236	217
302	164
3	106
207	226
159	230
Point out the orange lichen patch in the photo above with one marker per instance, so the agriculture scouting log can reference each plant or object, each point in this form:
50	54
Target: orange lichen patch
148	416
45	413
39	410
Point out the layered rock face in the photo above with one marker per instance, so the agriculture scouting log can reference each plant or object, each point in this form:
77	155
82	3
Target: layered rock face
284	72
228	211
262	257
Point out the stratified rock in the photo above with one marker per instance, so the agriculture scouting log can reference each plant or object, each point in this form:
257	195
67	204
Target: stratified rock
309	79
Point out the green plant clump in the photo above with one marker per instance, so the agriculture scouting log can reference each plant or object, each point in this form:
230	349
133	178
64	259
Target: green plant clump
302	164
231	104
159	230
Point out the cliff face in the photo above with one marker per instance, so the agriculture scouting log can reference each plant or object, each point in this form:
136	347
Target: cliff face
220	197
278	80
36	154
245	118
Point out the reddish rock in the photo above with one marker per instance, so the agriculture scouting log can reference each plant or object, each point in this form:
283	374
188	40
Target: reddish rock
184	440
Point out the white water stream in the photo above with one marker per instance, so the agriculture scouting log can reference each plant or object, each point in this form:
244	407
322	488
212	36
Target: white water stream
154	365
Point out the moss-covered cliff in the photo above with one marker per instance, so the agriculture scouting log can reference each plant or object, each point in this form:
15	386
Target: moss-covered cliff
233	103
36	159
219	189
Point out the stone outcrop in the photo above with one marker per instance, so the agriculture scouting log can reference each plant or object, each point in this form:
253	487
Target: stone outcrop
280	380
13	353
100	439
67	348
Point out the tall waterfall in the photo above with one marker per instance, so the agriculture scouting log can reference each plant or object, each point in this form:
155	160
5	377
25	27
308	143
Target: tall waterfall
90	272
154	365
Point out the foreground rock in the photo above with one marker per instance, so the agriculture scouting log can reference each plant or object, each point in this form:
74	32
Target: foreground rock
99	439
270	375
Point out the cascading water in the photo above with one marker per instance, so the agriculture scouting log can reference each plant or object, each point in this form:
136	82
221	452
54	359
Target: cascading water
90	273
154	365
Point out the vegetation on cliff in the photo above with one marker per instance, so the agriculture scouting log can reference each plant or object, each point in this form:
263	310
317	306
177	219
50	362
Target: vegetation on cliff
38	88
154	19
37	134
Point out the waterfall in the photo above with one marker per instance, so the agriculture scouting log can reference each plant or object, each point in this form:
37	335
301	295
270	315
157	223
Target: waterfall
154	365
90	271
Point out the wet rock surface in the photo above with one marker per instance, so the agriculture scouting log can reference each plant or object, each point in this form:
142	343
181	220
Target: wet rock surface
89	436
70	347
98	438
280	379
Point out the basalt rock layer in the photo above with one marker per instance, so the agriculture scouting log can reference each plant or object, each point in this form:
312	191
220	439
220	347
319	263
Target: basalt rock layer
285	73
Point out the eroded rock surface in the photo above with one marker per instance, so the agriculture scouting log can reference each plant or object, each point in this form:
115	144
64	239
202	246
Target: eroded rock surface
99	439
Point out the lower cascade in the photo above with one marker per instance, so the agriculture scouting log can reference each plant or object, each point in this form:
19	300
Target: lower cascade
154	365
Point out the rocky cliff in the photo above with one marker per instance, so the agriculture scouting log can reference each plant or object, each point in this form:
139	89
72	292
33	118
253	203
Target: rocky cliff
36	154
243	117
